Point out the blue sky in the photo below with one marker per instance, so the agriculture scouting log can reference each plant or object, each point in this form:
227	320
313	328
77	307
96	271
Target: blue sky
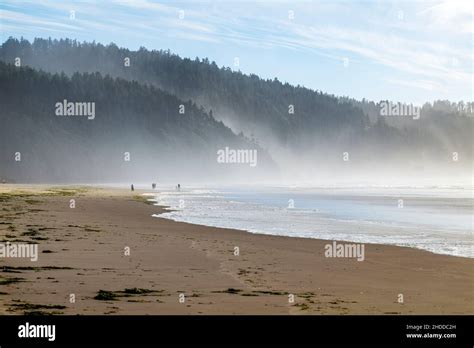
409	51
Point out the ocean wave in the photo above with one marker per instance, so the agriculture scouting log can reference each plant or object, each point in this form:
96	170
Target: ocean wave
265	213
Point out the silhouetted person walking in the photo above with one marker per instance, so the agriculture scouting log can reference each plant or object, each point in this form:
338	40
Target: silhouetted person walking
132	188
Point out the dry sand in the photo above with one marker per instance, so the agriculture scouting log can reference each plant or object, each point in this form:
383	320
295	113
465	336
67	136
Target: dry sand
168	258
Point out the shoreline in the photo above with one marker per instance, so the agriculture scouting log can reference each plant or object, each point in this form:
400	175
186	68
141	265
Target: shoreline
305	238
168	209
169	258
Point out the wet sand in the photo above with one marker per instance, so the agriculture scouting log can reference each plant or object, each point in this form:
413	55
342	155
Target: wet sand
84	250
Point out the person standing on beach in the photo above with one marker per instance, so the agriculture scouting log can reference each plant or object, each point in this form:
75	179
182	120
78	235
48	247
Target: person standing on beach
132	188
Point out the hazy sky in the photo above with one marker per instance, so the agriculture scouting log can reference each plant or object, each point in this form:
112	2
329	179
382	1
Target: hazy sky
411	51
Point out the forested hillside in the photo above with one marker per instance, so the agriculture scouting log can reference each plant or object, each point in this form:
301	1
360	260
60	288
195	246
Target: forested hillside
137	132
246	103
307	132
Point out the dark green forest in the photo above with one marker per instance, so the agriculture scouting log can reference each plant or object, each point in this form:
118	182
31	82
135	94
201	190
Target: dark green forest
129	117
139	111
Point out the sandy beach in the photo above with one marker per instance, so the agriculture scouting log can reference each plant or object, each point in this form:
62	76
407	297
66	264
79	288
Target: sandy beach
179	268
